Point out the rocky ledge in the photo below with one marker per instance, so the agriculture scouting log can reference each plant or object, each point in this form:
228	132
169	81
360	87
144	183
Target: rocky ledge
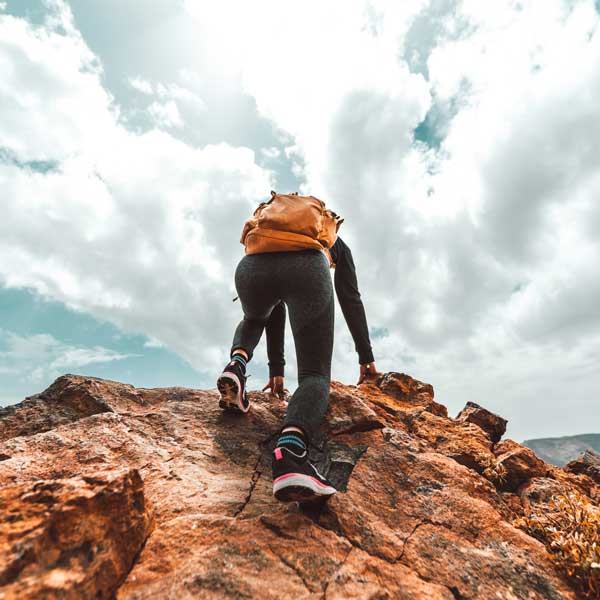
112	491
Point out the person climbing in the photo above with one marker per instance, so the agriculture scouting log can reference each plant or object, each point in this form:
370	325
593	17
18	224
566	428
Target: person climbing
291	242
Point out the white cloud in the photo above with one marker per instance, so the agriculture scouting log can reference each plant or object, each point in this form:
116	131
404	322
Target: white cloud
141	85
302	85
39	64
165	114
153	343
272	152
136	229
79	357
41	356
169	98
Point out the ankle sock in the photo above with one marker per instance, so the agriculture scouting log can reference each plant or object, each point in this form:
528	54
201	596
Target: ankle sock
241	360
292	440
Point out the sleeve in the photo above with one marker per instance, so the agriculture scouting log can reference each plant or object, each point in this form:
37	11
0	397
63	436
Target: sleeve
346	287
275	329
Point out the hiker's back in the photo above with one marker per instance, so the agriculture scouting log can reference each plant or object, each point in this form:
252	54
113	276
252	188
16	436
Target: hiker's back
290	222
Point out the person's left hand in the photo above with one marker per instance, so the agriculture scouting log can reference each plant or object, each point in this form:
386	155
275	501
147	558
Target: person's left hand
367	370
276	387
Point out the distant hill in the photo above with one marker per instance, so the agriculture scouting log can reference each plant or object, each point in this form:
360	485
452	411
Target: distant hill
559	451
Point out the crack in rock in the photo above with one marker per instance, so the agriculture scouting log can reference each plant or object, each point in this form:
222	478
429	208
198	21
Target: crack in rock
333	576
294	568
454	591
407	538
358	428
256	473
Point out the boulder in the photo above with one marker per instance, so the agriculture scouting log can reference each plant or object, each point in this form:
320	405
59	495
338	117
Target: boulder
491	423
409	391
518	464
71	538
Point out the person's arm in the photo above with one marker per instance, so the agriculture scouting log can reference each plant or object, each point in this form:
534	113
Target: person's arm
275	329
346	287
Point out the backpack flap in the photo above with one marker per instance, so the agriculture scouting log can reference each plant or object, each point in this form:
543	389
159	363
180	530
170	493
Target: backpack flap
249	225
292	213
330	224
252	222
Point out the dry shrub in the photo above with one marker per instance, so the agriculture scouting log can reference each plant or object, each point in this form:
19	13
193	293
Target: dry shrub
569	526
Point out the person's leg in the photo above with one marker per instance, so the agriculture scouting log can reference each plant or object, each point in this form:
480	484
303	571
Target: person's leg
309	296
308	293
256	290
254	283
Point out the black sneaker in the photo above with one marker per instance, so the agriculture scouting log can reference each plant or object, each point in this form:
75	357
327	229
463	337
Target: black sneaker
296	479
232	387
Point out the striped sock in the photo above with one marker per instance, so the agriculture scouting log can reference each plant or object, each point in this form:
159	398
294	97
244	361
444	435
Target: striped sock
292	440
240	359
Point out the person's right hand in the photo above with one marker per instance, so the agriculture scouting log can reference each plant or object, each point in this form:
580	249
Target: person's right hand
367	370
276	387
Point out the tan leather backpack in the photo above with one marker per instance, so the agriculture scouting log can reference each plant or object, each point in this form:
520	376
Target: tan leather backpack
291	222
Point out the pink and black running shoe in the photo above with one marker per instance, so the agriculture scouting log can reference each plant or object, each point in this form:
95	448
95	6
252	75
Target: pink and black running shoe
232	387
295	479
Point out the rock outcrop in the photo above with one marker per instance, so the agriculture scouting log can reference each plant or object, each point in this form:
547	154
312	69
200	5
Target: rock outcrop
588	464
492	424
112	491
78	535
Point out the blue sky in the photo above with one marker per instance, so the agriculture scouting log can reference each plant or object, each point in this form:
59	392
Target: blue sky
26	314
459	140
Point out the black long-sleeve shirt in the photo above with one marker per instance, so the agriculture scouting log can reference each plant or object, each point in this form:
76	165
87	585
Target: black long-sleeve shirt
346	288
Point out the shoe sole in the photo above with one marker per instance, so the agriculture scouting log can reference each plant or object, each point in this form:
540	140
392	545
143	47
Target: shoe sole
229	387
297	487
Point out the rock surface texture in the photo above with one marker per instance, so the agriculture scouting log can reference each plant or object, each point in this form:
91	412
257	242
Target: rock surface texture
588	463
112	491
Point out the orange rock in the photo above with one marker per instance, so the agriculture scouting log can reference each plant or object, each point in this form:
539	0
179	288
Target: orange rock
518	463
71	538
416	515
65	401
491	423
365	576
410	391
464	442
587	464
350	413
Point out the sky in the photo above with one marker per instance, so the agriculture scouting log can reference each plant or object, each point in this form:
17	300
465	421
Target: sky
459	139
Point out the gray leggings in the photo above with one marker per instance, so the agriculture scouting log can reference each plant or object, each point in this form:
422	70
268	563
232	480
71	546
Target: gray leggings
303	281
